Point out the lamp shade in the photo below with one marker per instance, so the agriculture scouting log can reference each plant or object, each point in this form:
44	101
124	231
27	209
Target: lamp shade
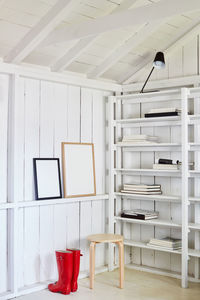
159	60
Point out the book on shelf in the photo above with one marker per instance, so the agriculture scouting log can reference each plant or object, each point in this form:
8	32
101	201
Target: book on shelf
140	138
162	114
142	192
167	243
166	167
165	109
143	189
142	186
163	247
140	214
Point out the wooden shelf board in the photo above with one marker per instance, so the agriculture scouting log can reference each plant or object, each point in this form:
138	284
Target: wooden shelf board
157	222
145	246
191	252
53	201
153	222
148	120
161	198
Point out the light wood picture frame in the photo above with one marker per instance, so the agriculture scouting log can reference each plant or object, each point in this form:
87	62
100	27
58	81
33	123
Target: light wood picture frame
78	165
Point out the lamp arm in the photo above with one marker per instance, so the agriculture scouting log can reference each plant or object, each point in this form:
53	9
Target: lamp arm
142	90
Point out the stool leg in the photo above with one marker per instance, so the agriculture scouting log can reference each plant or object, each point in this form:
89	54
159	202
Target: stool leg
92	264
121	264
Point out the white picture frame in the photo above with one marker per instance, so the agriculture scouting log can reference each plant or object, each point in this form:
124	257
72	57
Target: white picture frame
78	169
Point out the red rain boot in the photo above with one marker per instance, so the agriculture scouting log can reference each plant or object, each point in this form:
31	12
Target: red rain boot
76	266
65	271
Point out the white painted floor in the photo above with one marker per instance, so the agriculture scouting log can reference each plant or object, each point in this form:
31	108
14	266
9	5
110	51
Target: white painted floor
138	286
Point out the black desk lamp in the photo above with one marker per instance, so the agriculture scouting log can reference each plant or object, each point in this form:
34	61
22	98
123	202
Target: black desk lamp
158	63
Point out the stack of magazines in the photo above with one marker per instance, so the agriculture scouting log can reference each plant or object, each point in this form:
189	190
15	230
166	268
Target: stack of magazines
165	243
140	214
163	112
143	189
140	139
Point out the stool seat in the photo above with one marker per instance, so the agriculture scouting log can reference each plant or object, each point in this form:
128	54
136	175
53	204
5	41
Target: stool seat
105	238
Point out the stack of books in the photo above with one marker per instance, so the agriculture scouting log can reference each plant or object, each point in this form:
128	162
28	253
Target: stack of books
143	189
163	112
140	139
140	214
165	243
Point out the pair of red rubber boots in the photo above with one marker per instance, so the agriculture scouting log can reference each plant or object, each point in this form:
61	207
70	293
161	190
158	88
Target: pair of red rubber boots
68	263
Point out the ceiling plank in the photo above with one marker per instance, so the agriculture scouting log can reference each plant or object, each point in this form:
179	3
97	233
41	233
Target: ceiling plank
179	40
129	45
72	54
140	15
82	45
37	34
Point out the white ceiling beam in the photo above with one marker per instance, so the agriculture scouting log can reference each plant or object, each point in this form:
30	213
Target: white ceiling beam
38	33
62	63
179	40
120	52
82	45
140	15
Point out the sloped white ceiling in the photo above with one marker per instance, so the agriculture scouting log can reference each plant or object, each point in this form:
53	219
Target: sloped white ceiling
18	17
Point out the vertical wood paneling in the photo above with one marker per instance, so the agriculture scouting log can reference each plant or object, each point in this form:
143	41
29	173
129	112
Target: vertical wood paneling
19	142
73	116
73	226
60	106
98	207
32	121
3	251
47	114
86	116
31	245
21	248
47	99
3	136
86	208
47	257
190	58
85	230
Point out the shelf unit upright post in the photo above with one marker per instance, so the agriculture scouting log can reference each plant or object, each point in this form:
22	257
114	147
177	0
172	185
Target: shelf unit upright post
184	184
111	220
118	158
196	188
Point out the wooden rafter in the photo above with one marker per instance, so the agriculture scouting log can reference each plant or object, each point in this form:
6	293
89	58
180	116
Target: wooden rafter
119	53
140	15
82	45
180	39
37	34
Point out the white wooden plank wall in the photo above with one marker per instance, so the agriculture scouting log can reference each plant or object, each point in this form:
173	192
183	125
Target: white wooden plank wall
46	114
183	62
3	182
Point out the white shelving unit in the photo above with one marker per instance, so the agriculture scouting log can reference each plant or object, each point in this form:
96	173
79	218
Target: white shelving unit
190	179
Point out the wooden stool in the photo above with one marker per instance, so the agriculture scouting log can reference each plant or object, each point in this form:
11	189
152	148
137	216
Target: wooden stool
106	238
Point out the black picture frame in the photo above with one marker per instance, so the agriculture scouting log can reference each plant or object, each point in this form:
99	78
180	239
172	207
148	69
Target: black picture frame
37	183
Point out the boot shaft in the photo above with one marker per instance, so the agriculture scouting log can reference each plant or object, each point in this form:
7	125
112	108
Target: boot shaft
65	265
